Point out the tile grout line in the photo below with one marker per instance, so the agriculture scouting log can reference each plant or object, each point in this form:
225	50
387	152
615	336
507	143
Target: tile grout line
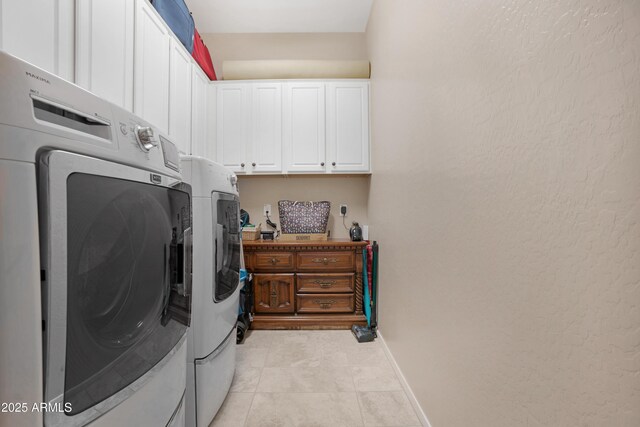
253	397
246	417
357	395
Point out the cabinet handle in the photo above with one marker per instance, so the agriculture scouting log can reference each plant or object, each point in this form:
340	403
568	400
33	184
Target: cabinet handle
274	296
241	165
324	261
333	163
325	304
253	164
324	283
274	261
322	164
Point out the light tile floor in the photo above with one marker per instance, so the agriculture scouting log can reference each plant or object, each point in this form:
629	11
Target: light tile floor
313	378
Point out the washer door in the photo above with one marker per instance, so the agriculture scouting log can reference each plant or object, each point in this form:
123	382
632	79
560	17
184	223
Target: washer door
121	238
117	251
227	245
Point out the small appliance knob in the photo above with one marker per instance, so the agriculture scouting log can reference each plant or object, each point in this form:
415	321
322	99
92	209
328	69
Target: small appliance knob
145	138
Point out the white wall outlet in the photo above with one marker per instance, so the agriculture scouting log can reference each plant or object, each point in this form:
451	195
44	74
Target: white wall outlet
343	210
267	210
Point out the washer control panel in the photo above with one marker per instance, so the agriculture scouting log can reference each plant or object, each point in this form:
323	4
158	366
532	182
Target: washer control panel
145	137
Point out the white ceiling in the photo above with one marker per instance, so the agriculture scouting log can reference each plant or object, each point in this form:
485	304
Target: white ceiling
280	16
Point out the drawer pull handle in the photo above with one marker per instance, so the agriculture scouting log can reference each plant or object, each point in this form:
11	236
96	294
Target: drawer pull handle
325	304
274	261
324	283
324	261
274	298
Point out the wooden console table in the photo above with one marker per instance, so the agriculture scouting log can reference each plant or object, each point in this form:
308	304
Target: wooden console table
306	285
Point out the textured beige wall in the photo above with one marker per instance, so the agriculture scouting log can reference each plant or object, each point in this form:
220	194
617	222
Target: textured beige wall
344	46
510	132
352	190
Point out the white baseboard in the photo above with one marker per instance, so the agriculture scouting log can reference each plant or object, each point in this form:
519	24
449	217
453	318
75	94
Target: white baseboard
405	385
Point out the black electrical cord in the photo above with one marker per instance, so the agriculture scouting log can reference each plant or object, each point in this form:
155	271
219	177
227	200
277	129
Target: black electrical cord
271	223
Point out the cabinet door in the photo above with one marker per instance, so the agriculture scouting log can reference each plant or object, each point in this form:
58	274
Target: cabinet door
348	127
151	68
211	145
233	115
104	49
274	293
266	138
304	127
180	97
199	109
39	32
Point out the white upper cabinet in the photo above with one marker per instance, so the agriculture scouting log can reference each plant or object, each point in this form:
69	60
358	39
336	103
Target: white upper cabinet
266	137
249	124
293	126
199	107
233	125
348	127
40	32
180	96
104	49
304	127
151	66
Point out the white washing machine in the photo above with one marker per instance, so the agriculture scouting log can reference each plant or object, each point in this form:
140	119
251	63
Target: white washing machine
95	268
217	255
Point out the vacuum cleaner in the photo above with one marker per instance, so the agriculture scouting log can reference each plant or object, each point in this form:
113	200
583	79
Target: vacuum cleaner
368	333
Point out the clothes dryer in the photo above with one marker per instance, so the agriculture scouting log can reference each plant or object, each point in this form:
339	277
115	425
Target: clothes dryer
217	255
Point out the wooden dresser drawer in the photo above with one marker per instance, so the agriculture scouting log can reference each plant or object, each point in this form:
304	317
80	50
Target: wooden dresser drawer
324	283
325	303
274	261
326	261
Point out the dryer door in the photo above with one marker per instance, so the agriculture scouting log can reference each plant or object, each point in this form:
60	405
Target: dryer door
117	239
227	245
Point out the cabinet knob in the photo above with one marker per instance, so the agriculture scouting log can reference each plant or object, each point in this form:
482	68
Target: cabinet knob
274	261
241	165
333	163
253	164
322	164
